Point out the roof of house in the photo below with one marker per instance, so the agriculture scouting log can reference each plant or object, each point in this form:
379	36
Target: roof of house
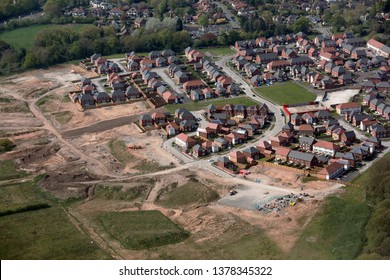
308	140
332	168
301	156
282	151
306	127
326	145
348	105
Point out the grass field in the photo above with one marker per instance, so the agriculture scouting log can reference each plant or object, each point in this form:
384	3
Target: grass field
218	51
337	231
8	171
44	234
20	195
193	106
142	229
24	37
39	232
191	193
286	93
120	193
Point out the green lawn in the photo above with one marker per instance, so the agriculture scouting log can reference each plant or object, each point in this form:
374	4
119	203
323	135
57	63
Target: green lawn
218	51
286	93
194	106
142	229
190	193
24	37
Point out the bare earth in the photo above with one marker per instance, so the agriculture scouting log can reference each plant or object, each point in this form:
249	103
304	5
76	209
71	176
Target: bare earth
77	163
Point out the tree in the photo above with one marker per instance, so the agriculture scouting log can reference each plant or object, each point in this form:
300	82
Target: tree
179	25
302	25
6	145
52	8
203	20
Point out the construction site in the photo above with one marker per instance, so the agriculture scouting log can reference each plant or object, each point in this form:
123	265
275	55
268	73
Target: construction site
98	163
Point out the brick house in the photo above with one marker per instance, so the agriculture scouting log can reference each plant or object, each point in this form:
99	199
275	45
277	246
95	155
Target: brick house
326	148
185	141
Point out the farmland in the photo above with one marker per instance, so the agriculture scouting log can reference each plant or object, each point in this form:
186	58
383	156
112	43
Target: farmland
286	93
24	37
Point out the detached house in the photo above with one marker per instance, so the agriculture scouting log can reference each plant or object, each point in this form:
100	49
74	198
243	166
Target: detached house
185	141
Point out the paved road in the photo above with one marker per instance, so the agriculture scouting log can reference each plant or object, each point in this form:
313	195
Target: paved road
100	126
172	84
278	124
228	14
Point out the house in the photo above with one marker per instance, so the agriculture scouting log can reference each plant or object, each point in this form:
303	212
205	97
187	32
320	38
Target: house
322	115
172	129
265	58
184	114
118	96
263	146
251	152
102	97
187	125
307	159
378	130
224	162
145	120
348	137
194	84
185	141
326	148
374	103
180	77
281	153
234	138
278	141
344	108
159	118
115	12
237	157
239	111
140	22
306	130
132	93
278	64
169	97
296	119
221	143
86	100
332	171
208	132
198	151
345	79
378	48
309	118
336	133
306	143
210	146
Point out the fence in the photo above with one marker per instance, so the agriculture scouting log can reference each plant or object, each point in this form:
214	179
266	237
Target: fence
306	172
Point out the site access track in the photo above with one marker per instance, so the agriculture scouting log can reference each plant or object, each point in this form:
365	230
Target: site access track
47	125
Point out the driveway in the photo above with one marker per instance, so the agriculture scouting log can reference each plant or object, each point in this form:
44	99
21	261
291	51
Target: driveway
172	84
